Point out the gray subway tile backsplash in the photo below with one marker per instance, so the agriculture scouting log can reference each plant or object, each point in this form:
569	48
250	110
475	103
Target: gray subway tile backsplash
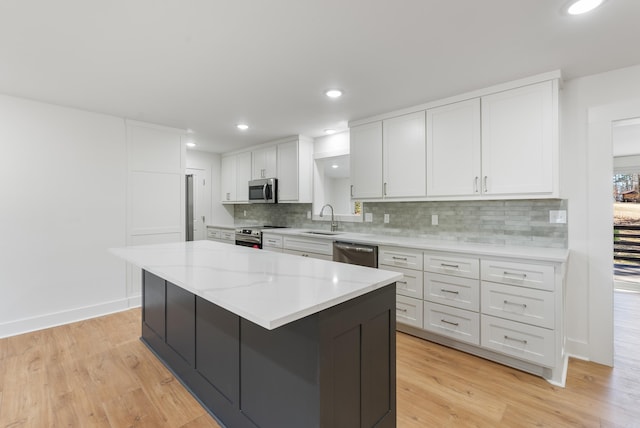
508	222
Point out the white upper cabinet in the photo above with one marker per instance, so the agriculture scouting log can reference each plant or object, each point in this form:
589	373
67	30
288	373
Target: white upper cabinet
519	140
228	178
366	160
243	175
453	149
403	143
295	172
264	162
235	173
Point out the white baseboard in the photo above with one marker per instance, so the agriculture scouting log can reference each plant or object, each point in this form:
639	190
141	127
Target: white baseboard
577	349
27	325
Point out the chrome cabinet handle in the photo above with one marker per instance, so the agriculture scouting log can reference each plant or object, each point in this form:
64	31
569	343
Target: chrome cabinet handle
352	190
401	282
449	322
451	266
475	184
401	309
485	184
384	191
399	258
524	305
444	290
515	339
523	275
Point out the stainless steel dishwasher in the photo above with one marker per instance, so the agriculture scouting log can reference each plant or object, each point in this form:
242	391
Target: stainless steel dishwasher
355	254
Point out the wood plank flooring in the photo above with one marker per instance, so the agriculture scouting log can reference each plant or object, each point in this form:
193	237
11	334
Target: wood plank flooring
96	373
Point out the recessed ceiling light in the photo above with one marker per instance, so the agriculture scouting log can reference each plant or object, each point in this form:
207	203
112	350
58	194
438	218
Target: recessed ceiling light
242	126
334	166
329	131
191	144
583	6
333	93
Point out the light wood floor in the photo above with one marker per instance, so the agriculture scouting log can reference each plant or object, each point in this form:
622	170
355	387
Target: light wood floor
97	373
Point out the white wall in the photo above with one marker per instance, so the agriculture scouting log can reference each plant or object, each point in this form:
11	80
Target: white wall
582	160
217	213
62	190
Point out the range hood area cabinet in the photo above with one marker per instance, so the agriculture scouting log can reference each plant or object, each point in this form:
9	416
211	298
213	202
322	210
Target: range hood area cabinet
500	144
494	145
388	158
290	160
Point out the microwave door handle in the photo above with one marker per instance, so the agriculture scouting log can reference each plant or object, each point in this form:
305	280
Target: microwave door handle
264	191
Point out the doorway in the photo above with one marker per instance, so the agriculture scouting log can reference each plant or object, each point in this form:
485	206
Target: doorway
626	204
198	201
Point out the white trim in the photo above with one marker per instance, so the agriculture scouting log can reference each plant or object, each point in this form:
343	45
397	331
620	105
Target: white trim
599	221
65	317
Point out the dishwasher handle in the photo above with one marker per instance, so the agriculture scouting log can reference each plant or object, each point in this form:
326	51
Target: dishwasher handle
357	248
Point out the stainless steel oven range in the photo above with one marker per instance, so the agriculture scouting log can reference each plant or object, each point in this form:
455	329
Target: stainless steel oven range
251	236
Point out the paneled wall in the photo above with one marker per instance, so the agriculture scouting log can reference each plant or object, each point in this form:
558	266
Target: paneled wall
510	222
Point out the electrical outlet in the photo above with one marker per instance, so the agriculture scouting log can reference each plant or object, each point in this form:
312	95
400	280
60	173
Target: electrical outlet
245	213
308	215
434	219
368	217
558	216
386	218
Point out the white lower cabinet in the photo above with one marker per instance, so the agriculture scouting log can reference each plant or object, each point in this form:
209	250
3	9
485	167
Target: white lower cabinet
272	242
409	310
456	323
519	340
509	309
227	236
308	247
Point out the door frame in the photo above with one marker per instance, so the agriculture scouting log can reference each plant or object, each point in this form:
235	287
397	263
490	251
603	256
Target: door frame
600	220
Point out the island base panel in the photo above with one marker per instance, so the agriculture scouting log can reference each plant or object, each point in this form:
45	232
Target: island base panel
335	368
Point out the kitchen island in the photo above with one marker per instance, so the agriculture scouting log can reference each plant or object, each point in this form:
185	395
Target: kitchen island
271	340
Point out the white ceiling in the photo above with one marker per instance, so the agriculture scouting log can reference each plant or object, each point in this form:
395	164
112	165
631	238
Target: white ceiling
209	64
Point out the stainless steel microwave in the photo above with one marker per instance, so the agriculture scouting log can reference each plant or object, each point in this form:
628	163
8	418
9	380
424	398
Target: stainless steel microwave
263	191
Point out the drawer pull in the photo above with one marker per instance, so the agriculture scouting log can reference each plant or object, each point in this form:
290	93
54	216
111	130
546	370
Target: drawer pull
444	290
450	266
401	282
523	275
515	339
450	323
399	258
401	309
524	305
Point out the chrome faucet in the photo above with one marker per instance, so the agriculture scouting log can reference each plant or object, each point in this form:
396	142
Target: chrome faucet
334	223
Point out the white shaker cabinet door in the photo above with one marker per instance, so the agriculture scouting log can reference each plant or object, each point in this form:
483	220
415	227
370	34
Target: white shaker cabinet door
453	149
243	175
519	136
366	160
288	171
228	178
264	162
404	162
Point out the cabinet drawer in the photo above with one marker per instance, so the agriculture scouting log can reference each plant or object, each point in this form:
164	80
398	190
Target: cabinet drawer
410	285
519	340
452	322
213	233
450	290
228	235
515	273
519	304
308	254
465	267
273	241
400	257
409	311
309	245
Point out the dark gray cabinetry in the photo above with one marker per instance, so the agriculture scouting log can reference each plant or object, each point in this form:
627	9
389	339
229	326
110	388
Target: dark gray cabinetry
335	368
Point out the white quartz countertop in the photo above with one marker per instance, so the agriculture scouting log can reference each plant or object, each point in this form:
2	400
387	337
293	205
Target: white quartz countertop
267	288
557	255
